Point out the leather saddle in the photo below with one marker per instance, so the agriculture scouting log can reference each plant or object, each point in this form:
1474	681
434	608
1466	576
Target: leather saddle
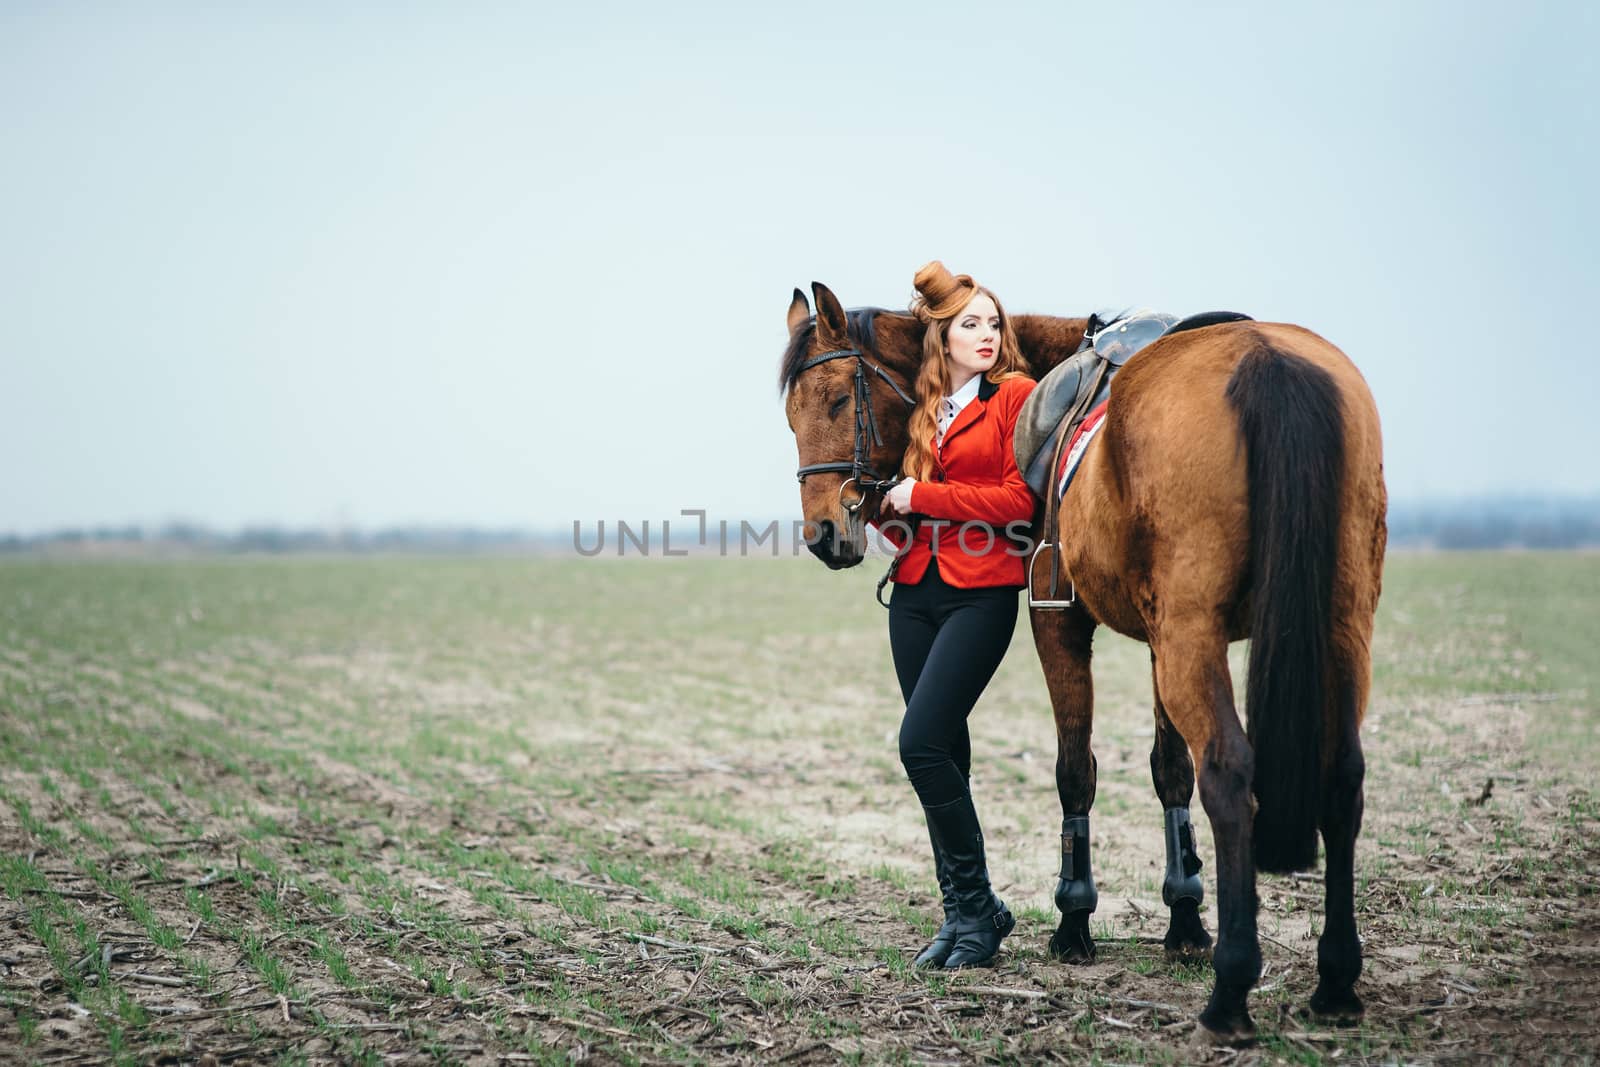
1109	340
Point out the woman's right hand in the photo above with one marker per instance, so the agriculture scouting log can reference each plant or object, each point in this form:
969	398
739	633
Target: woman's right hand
899	498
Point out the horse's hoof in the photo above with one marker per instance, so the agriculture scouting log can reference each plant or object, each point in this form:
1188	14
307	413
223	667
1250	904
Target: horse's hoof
1071	942
1227	1017
1186	935
1223	1027
1337	1005
1188	952
1075	952
1205	1036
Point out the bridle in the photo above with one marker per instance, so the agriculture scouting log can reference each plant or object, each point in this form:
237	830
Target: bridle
861	473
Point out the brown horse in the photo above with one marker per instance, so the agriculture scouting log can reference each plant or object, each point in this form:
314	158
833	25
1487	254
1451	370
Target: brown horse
1235	492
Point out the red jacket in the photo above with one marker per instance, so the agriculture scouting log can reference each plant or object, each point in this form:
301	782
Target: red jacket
975	480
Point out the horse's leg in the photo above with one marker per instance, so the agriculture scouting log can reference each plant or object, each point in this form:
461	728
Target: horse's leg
1192	678
1339	949
1182	891
1063	639
1355	604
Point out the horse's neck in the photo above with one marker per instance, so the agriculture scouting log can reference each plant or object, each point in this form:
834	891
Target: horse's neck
1047	340
900	346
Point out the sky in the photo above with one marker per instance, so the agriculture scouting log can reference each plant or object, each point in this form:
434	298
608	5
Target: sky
524	264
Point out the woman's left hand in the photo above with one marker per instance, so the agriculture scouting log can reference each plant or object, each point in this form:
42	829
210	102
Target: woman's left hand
899	497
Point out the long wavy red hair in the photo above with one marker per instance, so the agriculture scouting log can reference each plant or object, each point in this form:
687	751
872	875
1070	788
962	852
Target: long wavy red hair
941	297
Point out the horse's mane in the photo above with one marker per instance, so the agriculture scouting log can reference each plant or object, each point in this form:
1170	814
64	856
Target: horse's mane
1046	341
859	326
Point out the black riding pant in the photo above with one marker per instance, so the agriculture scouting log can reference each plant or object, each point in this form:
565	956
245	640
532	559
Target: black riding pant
947	643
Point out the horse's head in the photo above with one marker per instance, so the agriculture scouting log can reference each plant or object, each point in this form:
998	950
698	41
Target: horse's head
847	377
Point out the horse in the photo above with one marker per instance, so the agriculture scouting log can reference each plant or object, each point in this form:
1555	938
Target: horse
1235	491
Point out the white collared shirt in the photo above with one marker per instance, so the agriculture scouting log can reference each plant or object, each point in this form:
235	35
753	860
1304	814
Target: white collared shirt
951	405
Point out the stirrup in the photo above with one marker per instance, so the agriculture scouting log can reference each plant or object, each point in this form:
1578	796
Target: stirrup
1036	602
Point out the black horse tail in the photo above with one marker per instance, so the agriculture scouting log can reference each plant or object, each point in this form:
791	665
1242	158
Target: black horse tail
1293	426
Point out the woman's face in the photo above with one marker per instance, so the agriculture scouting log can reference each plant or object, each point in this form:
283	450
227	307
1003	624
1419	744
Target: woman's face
973	342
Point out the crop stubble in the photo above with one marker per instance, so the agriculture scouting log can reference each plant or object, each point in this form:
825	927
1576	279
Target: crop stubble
650	811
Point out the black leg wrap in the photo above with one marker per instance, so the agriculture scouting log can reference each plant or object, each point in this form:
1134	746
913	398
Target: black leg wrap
1075	891
1075	894
1183	862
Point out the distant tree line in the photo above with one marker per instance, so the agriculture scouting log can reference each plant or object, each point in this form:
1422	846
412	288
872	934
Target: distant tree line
1531	522
1497	522
187	538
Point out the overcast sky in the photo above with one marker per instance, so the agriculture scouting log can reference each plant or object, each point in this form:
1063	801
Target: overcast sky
520	264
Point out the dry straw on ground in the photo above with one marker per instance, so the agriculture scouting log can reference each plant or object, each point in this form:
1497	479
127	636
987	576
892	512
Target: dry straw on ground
549	811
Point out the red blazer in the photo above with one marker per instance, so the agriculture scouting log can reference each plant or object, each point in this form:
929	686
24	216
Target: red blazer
975	479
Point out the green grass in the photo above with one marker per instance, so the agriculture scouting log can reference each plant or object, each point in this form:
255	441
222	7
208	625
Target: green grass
500	776
1523	626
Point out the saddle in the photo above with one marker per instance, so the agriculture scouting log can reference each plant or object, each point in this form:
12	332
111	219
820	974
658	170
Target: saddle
1075	387
1078	384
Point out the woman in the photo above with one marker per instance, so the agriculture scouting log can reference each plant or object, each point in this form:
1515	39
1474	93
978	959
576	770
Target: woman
955	600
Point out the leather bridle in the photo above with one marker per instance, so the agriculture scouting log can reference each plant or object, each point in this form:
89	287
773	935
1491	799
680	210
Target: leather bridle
859	465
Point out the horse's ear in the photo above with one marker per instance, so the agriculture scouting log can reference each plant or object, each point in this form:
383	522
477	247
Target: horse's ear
799	311
832	328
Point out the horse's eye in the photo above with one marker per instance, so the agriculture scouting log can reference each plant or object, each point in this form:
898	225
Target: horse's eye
837	406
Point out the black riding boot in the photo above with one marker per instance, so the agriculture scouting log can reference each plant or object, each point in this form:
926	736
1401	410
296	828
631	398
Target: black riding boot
981	920
945	939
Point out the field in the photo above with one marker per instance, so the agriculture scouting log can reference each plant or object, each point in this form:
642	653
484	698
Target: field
645	811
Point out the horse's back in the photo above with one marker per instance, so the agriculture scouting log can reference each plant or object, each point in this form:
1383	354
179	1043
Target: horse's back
1164	502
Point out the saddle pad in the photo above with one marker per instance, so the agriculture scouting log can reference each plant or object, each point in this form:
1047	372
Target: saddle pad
1079	444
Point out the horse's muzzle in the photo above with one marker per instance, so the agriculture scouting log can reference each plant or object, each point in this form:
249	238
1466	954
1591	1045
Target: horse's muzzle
833	549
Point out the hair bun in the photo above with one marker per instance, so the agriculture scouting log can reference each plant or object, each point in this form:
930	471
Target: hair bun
941	294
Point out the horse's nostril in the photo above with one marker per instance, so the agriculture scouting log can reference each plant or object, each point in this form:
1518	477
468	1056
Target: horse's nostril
819	539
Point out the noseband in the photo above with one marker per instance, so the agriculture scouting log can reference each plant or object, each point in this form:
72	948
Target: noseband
858	466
